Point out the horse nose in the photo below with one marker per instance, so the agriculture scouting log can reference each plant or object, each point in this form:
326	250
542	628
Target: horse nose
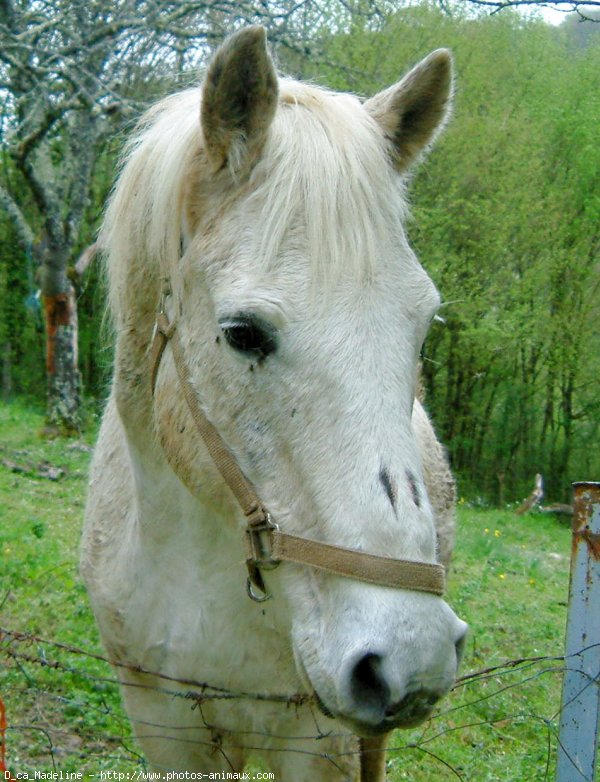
373	704
372	701
381	698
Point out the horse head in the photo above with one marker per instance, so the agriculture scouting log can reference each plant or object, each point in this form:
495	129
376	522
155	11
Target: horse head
277	216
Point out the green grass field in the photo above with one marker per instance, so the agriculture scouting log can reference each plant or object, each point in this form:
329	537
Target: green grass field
509	581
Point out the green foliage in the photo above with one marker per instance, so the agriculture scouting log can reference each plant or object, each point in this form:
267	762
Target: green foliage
509	580
21	328
506	216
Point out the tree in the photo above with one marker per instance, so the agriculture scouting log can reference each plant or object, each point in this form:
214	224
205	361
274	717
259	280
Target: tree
72	73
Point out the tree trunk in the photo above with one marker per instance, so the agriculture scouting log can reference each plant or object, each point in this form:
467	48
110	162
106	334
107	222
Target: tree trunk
64	382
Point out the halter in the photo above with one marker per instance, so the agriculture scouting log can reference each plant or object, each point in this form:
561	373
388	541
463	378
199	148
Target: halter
266	545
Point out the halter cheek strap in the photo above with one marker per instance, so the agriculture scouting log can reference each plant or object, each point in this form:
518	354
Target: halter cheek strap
266	545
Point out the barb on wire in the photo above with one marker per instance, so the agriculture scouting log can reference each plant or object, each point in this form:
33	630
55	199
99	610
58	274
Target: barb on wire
206	691
24	650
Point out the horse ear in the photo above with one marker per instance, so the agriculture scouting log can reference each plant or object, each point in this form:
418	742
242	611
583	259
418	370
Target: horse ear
239	98
413	110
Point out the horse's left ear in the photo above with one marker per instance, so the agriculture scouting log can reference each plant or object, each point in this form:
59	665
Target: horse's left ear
239	98
412	111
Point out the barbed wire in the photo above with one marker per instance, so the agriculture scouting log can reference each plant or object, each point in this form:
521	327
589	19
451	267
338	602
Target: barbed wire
26	650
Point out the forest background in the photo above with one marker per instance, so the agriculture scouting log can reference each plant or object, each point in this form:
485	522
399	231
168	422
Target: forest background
505	212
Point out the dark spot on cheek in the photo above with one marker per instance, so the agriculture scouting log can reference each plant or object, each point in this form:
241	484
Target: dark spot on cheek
217	340
388	483
414	488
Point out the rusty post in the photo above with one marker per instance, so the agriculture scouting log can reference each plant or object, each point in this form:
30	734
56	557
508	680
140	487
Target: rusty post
580	711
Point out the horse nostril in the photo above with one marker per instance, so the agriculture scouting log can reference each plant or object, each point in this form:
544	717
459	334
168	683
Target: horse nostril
367	685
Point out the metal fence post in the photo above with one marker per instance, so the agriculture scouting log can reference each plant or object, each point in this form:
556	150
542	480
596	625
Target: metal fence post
580	712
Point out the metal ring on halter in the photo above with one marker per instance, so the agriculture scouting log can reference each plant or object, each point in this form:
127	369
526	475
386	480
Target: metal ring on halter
253	595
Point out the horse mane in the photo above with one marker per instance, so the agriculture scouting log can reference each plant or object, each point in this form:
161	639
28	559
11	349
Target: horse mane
325	167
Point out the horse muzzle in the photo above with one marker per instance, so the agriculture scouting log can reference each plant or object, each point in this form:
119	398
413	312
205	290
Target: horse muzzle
411	711
379	687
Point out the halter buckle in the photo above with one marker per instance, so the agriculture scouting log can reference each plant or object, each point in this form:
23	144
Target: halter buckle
259	543
259	549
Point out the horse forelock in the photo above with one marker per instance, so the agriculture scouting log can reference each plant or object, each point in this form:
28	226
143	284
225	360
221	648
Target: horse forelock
324	172
326	169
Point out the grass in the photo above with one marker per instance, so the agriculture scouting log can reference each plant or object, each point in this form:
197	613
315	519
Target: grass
65	721
509	581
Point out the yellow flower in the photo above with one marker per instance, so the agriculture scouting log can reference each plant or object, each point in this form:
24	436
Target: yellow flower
486	530
497	533
502	576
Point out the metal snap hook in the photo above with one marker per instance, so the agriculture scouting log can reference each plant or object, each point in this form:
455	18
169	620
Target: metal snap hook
253	595
255	579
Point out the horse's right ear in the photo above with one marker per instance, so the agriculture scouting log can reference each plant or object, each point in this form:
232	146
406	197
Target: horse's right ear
239	97
412	112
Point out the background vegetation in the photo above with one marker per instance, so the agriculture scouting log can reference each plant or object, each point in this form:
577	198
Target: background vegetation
506	213
507	222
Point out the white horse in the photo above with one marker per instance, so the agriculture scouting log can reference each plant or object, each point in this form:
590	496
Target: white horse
265	218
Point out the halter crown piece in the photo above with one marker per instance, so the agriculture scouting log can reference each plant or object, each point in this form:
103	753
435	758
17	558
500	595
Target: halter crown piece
266	545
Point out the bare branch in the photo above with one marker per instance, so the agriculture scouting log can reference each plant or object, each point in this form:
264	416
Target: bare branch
566	6
44	197
23	147
17	218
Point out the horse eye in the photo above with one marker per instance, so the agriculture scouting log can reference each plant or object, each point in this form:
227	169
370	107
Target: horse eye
249	334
